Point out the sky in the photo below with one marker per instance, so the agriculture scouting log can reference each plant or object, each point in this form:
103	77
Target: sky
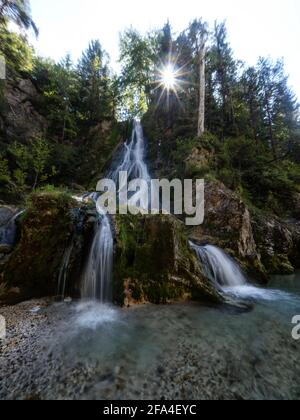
255	27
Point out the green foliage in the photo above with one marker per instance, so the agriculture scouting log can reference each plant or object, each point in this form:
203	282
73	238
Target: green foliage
96	95
4	171
49	193
17	11
30	164
252	117
248	168
252	142
74	101
138	57
16	51
53	190
182	151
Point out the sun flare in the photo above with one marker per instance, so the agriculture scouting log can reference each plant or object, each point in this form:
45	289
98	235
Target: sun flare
169	77
170	81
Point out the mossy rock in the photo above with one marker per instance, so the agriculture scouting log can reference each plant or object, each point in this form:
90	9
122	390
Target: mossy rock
154	263
280	264
47	227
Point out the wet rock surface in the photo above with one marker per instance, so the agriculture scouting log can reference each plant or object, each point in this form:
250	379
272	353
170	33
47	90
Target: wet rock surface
262	244
52	223
276	241
154	262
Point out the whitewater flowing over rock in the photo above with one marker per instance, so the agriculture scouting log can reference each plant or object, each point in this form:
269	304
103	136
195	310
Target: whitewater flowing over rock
220	269
132	161
97	279
226	275
9	230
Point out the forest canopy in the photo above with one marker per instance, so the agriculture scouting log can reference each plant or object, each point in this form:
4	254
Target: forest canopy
190	90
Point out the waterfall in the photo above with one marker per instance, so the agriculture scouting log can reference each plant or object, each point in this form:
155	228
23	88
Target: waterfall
220	269
97	278
63	272
9	231
133	162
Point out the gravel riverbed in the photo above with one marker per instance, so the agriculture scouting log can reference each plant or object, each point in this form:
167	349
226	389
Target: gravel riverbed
181	351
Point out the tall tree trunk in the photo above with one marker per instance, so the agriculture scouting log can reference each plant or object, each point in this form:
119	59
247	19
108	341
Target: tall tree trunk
201	116
270	127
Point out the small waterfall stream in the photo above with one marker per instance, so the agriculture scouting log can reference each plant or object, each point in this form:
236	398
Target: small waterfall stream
220	269
9	231
226	275
97	278
63	272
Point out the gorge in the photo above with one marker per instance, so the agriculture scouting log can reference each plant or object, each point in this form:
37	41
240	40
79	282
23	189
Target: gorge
121	353
189	289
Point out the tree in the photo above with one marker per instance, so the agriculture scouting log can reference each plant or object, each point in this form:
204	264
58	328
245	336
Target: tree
40	157
198	35
96	94
31	164
17	52
138	57
17	11
60	86
279	106
225	69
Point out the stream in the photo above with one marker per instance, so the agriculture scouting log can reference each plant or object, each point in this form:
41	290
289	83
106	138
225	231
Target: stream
85	350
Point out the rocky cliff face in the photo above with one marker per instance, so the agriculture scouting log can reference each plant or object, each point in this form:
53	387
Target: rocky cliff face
153	261
263	245
278	244
22	119
228	225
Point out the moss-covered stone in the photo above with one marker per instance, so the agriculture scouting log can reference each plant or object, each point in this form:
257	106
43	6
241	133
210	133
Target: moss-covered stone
47	229
276	241
281	264
153	262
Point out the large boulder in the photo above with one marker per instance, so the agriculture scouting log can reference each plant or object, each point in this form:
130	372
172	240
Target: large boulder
227	224
277	242
51	225
154	263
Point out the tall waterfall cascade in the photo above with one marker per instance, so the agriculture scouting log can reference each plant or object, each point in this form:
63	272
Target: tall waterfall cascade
133	162
97	278
219	268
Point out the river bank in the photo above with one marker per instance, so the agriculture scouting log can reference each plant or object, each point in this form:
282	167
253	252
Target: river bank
181	351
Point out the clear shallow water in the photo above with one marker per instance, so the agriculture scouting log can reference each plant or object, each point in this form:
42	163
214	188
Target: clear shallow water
181	351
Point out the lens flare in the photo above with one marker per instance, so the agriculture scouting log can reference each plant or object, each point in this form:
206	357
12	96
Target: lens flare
168	77
170	81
